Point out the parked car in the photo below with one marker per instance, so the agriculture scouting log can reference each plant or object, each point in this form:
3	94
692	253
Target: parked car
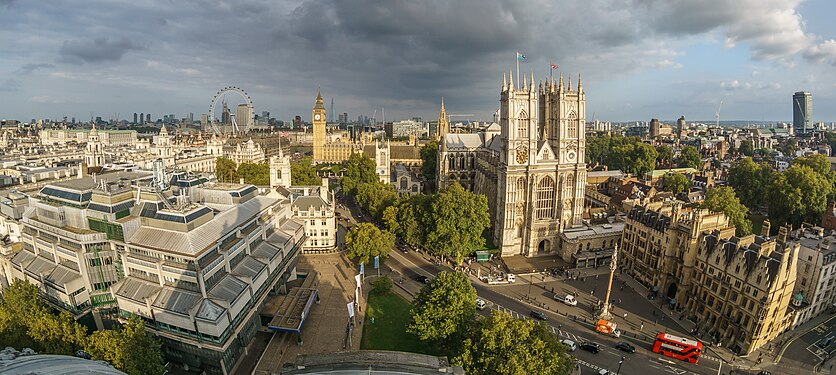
537	315
422	279
592	347
571	344
567	299
512	278
605	372
625	347
481	304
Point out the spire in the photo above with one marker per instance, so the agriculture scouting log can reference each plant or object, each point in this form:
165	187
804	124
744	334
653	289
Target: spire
540	88
504	82
531	82
319	103
524	84
560	84
511	81
569	86
580	83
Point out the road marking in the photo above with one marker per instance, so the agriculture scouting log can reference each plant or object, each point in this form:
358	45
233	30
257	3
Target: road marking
787	345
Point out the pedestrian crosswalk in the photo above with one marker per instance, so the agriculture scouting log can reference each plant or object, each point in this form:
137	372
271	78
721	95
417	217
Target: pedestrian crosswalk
557	331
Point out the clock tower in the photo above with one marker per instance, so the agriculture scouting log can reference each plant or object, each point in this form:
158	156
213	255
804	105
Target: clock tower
318	121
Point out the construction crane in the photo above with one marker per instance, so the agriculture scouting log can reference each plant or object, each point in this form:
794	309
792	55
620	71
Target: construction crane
717	114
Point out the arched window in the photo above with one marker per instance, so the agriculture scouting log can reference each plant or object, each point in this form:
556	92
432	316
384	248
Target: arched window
570	185
452	162
522	125
545	198
461	162
573	125
520	193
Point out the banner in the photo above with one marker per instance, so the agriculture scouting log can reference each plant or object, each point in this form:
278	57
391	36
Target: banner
357	278
376	261
362	269
350	307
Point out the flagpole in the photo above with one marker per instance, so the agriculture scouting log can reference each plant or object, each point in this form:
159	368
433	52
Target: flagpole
551	68
517	57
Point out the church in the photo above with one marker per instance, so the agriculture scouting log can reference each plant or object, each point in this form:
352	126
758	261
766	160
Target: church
530	166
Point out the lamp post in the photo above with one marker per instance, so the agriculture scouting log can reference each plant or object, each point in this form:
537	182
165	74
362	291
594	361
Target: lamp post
619	366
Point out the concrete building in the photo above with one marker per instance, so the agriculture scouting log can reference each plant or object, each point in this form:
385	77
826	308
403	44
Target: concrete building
742	288
194	260
659	246
106	137
802	112
816	273
405	128
654	128
315	206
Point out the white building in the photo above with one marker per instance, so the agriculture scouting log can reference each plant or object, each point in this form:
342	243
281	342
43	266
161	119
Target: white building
814	291
107	137
316	207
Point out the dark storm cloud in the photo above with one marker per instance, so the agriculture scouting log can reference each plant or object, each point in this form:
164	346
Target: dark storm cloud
96	50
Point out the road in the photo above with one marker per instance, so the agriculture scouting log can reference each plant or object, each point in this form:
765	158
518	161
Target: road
643	361
813	346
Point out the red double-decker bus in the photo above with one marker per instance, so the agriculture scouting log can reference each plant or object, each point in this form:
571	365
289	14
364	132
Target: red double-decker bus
681	348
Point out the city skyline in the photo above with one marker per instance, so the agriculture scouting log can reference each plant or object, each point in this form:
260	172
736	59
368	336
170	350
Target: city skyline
107	58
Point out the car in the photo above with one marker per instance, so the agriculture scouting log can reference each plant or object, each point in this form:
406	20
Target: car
512	278
567	299
537	315
481	304
764	373
604	371
571	344
625	347
592	347
422	279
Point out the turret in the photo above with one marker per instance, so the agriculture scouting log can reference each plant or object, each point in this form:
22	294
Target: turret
580	84
560	86
511	80
504	84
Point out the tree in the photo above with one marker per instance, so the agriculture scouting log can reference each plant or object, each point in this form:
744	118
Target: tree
501	344
636	158
302	173
225	170
365	241
723	199
130	349
799	195
382	285
255	173
443	308
746	148
664	155
751	182
374	197
459	218
429	156
359	169
410	218
690	157
675	183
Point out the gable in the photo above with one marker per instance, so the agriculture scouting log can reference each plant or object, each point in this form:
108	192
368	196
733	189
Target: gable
545	152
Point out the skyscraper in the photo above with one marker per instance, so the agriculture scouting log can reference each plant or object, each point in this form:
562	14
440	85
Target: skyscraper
135	116
141	118
243	115
654	128
802	112
148	118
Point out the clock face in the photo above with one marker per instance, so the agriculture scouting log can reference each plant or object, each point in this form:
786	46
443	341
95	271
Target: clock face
316	117
522	154
571	156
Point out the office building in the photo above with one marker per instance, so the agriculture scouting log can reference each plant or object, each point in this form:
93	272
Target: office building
655	126
814	290
802	112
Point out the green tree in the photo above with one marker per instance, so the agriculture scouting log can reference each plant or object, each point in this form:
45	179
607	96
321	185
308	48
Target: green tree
131	349
225	170
359	169
799	195
664	155
636	158
255	173
458	220
409	218
302	173
443	308
382	285
365	241
751	182
429	156
746	148
675	183
690	157
374	197
723	199
501	344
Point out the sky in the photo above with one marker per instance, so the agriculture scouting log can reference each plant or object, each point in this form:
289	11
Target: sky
639	59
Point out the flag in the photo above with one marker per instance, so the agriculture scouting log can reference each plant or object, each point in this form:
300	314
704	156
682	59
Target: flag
554	66
520	56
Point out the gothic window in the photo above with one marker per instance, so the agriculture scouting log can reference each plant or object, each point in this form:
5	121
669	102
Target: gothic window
461	162
545	198
452	162
573	125
520	190
522	125
570	184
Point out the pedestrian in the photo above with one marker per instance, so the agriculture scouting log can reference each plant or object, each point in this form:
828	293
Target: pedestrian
641	326
552	289
625	315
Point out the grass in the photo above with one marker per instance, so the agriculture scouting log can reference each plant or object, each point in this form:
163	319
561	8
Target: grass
388	332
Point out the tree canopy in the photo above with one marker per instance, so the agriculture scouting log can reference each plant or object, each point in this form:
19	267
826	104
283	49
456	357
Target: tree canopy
501	344
675	183
302	173
459	218
225	170
409	218
746	148
799	195
664	155
254	173
723	199
751	182
443	307
366	241
130	348
690	157
359	169
429	155
375	197
628	154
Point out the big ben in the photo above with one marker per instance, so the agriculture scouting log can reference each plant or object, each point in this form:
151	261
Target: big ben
318	120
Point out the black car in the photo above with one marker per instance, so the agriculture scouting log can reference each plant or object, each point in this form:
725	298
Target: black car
537	315
592	347
422	279
625	347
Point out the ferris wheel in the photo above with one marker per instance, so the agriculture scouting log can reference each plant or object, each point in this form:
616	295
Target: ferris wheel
247	123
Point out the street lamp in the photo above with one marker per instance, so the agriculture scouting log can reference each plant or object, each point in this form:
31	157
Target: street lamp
619	366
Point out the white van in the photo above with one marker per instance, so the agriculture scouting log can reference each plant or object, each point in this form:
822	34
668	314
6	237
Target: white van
571	344
481	304
568	299
512	278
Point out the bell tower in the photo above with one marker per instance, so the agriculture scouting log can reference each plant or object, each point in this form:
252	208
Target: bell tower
318	121
518	122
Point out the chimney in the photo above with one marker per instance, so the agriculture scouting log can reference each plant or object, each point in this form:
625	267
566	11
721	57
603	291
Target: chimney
323	190
765	228
783	232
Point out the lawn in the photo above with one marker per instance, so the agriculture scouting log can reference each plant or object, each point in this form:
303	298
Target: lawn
388	332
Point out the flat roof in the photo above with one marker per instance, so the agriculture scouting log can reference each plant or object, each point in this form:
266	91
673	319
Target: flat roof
87	182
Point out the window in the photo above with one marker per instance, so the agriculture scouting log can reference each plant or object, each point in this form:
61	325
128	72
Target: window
324	222
522	125
520	190
545	198
313	222
573	125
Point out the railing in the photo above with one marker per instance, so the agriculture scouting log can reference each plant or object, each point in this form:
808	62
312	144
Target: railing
179	271
141	263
